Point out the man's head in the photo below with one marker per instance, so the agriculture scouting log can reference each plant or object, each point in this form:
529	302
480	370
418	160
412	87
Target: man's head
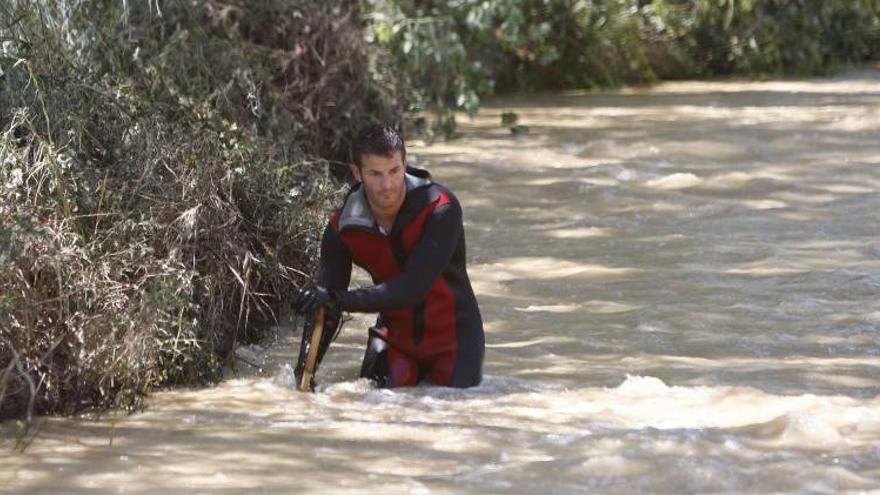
379	157
376	139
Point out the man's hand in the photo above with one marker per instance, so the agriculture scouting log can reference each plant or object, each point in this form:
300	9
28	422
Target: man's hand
309	300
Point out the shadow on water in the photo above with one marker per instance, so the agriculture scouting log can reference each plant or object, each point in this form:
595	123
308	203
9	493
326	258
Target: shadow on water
224	443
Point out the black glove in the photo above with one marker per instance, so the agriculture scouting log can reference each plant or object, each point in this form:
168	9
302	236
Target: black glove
309	300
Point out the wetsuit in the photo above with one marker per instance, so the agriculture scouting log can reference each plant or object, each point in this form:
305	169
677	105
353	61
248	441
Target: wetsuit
428	314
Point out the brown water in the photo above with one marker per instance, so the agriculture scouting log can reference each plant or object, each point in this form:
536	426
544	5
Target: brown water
680	287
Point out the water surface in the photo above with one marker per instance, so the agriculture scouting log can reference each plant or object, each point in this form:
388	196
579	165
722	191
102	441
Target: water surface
680	288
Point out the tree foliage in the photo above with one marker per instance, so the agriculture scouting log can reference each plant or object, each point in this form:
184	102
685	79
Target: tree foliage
455	51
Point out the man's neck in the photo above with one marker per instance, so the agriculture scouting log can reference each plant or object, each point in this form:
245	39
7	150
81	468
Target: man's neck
385	221
384	217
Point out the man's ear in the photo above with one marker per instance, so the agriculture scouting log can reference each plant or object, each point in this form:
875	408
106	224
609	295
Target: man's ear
355	172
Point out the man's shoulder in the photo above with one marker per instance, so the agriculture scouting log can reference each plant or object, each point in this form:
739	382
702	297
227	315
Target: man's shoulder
352	211
444	194
430	196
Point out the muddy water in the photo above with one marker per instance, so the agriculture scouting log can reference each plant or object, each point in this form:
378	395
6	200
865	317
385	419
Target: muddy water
680	287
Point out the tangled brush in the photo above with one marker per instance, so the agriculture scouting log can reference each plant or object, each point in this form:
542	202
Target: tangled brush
163	178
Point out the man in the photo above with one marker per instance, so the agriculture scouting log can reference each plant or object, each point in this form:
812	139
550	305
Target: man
406	231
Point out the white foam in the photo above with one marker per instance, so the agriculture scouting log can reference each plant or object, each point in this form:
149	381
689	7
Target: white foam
285	376
675	181
549	308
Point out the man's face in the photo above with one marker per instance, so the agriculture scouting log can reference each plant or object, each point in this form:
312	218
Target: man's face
383	179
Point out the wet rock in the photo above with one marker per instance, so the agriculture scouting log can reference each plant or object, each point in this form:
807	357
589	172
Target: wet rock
517	130
253	355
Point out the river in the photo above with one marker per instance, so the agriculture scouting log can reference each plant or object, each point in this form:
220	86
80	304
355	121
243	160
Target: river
680	289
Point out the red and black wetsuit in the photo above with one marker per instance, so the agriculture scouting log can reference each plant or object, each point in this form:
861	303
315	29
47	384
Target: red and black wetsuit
422	291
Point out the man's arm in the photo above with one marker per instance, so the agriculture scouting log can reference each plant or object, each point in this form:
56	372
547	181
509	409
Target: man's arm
432	253
334	267
334	272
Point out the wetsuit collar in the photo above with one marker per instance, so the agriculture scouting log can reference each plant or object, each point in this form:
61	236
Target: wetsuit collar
356	211
416	178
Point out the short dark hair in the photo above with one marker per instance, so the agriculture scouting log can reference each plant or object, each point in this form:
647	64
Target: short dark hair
377	139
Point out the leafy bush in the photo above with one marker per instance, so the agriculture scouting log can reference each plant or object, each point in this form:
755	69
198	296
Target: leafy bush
163	178
456	51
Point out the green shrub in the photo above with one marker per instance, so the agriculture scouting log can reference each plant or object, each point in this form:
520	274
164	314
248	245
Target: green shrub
163	181
457	51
